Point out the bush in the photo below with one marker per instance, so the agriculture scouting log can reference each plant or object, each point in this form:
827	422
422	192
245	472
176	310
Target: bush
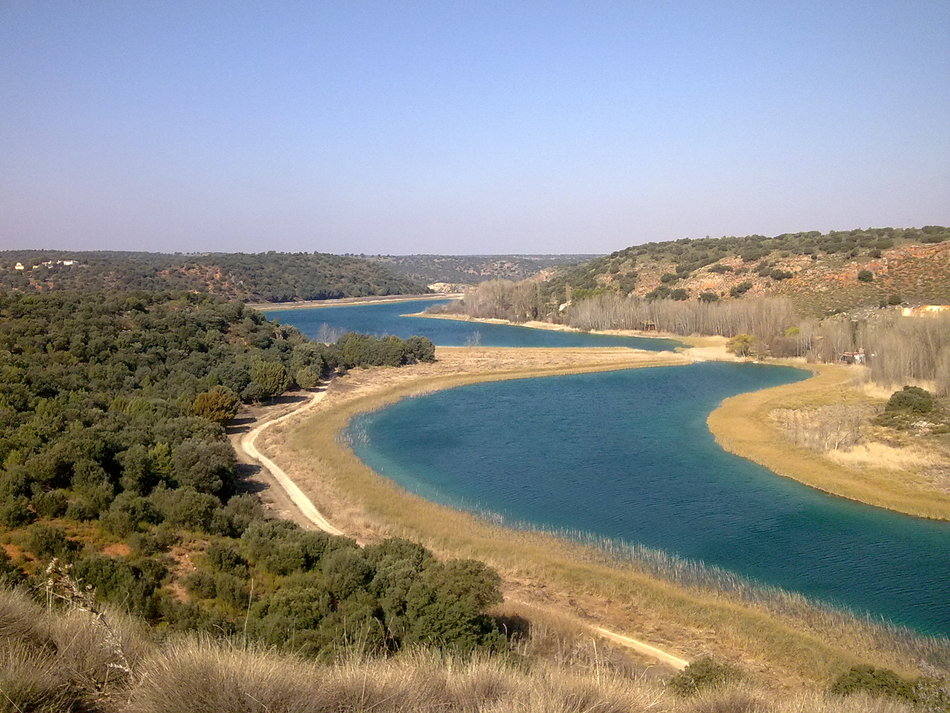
740	289
703	674
270	378
16	513
865	275
741	345
780	274
185	507
206	466
51	503
679	294
708	297
875	682
911	398
219	404
46	541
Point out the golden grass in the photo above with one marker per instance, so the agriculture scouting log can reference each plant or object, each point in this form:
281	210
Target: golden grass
741	425
884	456
806	647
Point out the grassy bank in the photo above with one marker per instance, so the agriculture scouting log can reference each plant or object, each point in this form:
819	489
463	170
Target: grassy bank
792	645
742	426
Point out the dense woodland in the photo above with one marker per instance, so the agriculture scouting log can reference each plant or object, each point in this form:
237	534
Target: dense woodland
263	277
115	461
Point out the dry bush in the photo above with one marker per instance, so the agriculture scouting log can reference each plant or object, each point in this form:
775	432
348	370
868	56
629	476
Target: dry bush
827	428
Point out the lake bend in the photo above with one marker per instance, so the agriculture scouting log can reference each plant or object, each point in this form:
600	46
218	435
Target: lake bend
627	455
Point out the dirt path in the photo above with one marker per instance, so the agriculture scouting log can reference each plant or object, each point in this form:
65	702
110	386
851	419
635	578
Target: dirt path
296	495
247	445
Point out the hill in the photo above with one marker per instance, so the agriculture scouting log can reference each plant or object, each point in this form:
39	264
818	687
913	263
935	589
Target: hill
263	277
472	269
821	273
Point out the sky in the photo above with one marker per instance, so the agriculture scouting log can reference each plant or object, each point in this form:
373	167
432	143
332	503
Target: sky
466	127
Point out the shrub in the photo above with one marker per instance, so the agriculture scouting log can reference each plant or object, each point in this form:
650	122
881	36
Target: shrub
185	506
911	398
224	556
680	294
741	345
875	682
780	274
703	674
51	503
270	378
206	466
740	289
46	541
708	297
219	404
865	275
16	513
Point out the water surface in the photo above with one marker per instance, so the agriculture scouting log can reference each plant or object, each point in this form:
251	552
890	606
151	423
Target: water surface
326	323
628	455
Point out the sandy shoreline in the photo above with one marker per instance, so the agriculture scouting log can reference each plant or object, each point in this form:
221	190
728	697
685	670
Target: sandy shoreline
538	568
346	301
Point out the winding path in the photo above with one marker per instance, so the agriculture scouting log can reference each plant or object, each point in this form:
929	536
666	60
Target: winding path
247	444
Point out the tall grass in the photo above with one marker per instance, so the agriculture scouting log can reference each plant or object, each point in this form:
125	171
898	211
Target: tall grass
208	675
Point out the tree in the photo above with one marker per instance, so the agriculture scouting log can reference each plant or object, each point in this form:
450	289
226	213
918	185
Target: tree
270	377
219	404
205	466
741	345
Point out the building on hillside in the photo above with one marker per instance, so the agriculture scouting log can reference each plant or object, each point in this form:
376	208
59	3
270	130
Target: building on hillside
19	266
924	310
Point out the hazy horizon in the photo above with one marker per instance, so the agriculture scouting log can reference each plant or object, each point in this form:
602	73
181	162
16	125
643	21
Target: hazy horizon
407	128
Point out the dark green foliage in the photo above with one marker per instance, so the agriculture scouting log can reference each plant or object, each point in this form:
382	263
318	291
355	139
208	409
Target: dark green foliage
51	503
364	350
865	276
780	274
703	674
46	541
911	398
740	289
15	512
679	294
218	404
203	465
708	297
127	582
469	269
269	379
875	682
269	277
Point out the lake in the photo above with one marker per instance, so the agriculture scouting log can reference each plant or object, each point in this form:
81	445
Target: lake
627	455
328	323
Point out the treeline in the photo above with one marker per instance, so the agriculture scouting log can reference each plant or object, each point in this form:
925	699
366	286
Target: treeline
264	277
111	411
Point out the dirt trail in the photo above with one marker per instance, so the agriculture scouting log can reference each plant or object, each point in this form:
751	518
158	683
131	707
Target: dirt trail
312	514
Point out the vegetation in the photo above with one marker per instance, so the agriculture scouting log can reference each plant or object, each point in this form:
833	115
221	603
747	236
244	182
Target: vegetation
111	433
703	674
472	269
265	277
75	657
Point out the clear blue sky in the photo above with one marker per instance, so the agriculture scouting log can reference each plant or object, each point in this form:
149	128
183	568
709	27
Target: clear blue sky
466	127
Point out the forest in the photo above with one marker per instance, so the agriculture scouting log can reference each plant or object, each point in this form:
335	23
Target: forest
260	277
116	471
472	269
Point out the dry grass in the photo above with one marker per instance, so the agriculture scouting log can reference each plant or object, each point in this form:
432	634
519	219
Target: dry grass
742	426
882	455
57	663
553	573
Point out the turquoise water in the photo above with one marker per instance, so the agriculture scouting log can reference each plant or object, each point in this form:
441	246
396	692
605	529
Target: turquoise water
379	319
627	455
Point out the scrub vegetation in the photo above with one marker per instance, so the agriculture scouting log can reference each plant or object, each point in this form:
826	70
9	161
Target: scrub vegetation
252	277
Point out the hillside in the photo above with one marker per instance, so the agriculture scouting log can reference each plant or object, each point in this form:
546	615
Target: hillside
821	273
472	269
263	277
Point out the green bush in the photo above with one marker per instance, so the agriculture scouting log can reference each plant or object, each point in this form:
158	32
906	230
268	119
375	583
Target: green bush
875	682
46	541
740	289
51	503
703	674
911	398
16	513
865	275
218	404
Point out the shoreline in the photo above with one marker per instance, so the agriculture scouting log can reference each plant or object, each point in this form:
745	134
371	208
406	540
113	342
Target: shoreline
732	422
346	301
543	568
